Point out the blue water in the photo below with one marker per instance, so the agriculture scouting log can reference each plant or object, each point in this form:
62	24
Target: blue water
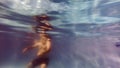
84	36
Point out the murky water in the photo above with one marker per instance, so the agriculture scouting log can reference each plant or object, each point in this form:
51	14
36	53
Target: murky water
84	36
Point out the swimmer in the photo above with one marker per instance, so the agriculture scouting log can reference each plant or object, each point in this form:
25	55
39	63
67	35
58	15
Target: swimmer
43	44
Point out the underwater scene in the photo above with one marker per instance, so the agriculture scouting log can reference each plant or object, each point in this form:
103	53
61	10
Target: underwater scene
83	33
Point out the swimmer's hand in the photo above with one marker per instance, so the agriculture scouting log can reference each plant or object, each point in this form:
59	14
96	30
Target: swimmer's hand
27	48
24	50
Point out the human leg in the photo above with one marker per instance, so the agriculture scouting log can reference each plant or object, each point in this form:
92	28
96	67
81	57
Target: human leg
30	65
44	62
43	65
34	63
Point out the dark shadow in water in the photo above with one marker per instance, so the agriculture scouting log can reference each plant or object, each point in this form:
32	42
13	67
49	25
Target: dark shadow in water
54	13
59	1
17	17
9	29
3	5
13	15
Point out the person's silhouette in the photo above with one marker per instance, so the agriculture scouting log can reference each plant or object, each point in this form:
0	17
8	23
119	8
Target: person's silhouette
43	44
42	23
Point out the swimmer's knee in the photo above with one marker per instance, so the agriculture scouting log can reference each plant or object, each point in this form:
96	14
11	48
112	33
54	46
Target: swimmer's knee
30	65
43	65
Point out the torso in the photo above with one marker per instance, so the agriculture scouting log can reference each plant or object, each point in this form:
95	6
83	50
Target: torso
44	45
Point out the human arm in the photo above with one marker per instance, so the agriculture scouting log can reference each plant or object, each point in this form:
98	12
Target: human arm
44	27
47	24
48	44
28	48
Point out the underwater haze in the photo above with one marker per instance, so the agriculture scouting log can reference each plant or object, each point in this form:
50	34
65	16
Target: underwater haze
85	33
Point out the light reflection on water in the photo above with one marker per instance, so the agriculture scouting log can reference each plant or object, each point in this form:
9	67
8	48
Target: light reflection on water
84	35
